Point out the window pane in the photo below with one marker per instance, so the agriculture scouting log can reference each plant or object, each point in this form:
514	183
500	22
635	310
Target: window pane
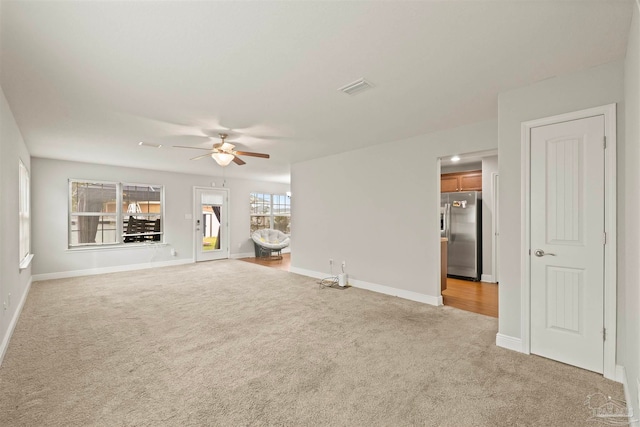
260	204
281	205
258	222
91	229
24	212
141	228
282	223
93	197
141	198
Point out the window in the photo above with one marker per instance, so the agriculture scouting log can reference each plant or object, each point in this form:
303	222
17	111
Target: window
142	219
270	211
110	213
24	215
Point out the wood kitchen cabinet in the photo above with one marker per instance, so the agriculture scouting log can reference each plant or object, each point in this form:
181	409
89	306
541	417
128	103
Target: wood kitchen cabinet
461	181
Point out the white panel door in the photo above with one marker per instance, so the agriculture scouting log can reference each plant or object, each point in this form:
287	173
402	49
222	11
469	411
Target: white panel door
211	224
567	242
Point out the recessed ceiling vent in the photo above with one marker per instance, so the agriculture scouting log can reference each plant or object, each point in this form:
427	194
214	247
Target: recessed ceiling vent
356	87
148	144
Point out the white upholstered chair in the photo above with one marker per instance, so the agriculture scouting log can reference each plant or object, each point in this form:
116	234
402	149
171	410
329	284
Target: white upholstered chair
267	242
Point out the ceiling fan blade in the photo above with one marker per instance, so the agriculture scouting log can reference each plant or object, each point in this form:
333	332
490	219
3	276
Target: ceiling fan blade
193	148
238	161
248	153
201	157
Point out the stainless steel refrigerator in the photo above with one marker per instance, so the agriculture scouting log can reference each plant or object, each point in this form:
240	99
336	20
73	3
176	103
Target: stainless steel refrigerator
461	223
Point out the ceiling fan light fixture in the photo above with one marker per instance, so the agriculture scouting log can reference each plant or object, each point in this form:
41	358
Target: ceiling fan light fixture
223	159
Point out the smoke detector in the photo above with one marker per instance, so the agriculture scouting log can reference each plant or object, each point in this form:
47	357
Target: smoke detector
356	87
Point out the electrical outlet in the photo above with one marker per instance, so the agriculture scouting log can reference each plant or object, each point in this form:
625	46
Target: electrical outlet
330	261
4	305
173	252
344	264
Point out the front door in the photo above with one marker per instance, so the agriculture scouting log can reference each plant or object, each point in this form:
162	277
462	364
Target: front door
567	242
211	225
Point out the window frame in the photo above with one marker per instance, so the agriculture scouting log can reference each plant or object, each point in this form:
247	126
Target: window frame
119	215
122	234
24	215
271	215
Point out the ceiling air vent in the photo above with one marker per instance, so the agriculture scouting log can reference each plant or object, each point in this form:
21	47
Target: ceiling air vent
356	87
148	144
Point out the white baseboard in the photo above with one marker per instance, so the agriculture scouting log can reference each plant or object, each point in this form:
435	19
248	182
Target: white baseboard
621	377
104	270
510	343
14	321
308	273
395	292
487	278
382	289
242	255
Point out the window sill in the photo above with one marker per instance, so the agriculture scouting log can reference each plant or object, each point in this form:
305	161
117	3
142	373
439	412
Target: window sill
116	247
24	264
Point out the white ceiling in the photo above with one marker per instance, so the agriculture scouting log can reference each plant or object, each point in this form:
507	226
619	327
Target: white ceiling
87	81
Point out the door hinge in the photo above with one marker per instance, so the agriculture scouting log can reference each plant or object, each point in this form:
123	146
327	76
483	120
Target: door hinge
604	334
604	238
604	144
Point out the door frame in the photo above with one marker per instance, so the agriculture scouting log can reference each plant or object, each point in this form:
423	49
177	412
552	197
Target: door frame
495	223
195	217
610	227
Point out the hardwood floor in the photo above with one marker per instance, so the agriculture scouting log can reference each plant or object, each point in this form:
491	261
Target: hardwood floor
478	297
282	264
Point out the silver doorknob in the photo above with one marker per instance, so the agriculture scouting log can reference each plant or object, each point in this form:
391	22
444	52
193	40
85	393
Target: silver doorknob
540	252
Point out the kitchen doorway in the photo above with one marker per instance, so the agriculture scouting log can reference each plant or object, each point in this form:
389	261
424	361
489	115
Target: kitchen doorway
468	231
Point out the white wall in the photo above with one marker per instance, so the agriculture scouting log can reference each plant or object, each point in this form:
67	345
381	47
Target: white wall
378	212
629	280
50	202
489	167
589	88
12	281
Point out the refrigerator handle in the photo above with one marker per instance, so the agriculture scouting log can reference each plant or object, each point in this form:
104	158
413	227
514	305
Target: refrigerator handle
448	221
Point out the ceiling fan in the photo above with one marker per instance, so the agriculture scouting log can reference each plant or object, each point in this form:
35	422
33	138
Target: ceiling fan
223	152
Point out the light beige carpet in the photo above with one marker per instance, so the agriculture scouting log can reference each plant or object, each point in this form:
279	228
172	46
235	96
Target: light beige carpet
231	343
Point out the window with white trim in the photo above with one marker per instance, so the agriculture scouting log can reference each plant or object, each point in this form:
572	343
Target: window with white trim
24	214
270	211
113	213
